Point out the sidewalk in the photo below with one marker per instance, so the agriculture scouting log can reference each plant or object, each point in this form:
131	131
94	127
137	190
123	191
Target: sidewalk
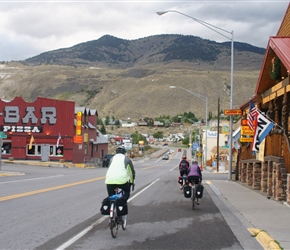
268	220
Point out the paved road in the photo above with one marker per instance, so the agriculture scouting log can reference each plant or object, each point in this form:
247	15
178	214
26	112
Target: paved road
50	206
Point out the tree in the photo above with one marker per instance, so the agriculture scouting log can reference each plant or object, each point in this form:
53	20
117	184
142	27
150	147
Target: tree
158	135
136	137
103	129
100	122
185	141
107	120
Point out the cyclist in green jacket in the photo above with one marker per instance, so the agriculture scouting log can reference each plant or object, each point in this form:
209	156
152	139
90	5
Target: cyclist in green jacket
120	169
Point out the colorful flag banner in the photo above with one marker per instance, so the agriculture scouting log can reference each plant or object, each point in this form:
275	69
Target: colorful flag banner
252	116
31	141
263	128
58	139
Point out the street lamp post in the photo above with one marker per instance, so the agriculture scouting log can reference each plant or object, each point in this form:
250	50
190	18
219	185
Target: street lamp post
231	38
204	98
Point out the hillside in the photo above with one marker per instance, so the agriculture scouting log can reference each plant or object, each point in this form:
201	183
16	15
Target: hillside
134	81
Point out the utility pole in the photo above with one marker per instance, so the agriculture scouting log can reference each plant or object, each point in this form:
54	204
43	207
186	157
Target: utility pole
218	138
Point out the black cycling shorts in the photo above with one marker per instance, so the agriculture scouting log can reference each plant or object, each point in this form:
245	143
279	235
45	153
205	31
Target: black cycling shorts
193	179
183	172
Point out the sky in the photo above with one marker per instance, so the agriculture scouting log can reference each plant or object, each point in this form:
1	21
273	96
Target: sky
28	28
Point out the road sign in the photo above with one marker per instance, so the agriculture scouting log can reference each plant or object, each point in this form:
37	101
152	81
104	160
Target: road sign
3	135
194	146
233	112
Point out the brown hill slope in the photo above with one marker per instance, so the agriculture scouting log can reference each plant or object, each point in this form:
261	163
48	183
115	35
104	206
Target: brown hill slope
125	78
132	92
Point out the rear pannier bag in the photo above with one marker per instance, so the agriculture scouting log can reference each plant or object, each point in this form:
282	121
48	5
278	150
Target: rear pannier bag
187	191
199	191
121	207
105	208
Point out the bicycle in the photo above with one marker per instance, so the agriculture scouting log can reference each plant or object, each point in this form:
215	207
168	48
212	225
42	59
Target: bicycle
195	200
115	220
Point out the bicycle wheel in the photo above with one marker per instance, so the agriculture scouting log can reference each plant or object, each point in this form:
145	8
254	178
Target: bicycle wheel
124	222
113	222
193	197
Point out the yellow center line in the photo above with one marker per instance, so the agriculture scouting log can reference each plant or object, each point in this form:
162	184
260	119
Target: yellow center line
10	197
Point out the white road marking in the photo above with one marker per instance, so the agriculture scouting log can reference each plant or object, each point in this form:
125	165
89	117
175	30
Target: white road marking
86	230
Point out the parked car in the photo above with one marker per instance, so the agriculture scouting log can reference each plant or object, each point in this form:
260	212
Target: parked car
165	157
106	160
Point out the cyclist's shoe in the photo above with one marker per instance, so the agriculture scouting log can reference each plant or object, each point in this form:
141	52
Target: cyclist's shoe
181	187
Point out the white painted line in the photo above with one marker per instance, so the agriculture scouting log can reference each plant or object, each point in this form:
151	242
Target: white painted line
81	234
174	168
86	230
143	190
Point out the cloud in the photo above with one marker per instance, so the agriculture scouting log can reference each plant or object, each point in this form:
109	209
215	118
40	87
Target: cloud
29	28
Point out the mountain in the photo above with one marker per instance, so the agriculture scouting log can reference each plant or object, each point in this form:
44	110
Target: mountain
131	78
109	51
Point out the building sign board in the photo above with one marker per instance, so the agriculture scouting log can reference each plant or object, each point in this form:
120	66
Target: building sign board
78	139
245	130
245	139
79	123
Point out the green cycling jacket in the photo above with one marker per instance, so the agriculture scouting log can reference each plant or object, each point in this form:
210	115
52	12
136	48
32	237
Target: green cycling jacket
120	170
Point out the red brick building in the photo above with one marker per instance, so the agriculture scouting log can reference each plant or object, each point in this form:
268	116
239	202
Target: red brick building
49	130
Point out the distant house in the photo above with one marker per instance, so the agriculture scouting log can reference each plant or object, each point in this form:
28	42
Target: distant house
102	144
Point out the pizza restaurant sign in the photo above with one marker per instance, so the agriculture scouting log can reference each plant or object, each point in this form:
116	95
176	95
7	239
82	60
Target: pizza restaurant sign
12	119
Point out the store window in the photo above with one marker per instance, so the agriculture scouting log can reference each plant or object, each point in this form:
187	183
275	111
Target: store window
35	150
6	147
86	149
56	151
59	151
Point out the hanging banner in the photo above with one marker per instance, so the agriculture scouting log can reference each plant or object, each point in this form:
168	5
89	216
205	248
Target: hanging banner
263	128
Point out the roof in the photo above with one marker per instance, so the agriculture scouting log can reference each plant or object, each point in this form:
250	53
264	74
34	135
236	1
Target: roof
277	46
284	29
87	111
281	46
101	139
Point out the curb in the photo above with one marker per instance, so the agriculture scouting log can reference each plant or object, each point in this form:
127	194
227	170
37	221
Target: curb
264	239
5	174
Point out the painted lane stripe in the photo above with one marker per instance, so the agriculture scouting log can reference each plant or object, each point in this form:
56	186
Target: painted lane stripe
10	197
86	230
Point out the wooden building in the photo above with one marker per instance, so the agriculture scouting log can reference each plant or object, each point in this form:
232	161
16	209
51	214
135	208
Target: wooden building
269	171
49	130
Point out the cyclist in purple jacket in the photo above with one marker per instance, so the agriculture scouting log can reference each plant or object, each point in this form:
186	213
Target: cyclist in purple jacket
194	173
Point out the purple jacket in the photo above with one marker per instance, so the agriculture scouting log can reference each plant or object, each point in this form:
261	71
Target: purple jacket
194	170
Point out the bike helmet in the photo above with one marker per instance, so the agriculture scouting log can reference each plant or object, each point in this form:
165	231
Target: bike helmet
184	157
120	150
